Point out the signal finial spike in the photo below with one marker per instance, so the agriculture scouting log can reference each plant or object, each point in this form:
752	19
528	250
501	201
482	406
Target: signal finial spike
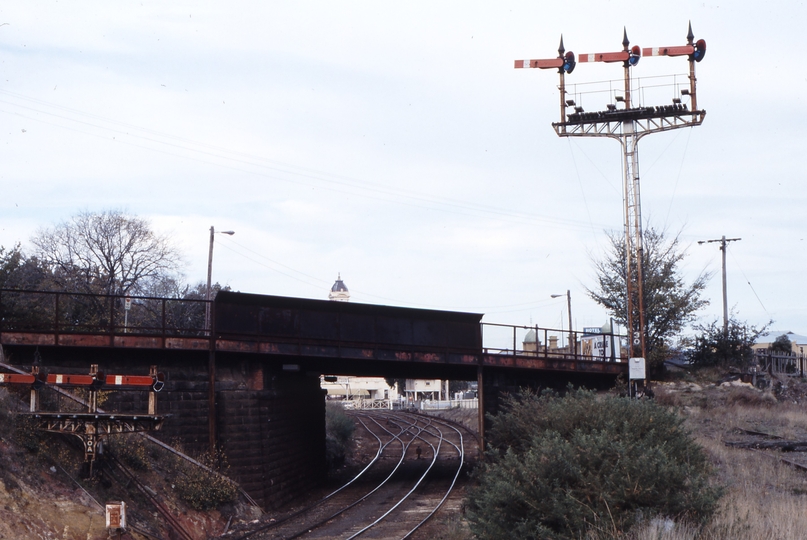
561	49
690	35
625	40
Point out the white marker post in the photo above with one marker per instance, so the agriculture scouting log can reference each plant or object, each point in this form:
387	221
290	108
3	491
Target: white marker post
636	371
127	305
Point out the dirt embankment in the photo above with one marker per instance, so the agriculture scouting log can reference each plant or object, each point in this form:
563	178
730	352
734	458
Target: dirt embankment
37	501
42	494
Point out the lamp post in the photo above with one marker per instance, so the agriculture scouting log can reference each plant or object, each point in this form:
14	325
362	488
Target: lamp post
210	274
572	340
211	363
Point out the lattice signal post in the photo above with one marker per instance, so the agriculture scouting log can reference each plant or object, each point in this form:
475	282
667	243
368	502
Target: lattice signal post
628	121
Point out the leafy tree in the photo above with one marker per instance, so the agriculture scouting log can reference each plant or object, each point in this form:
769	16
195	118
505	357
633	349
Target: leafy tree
106	252
782	344
714	347
19	310
392	381
670	302
20	272
561	467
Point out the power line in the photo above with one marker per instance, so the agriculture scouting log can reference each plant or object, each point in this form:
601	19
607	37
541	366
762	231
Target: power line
723	241
270	168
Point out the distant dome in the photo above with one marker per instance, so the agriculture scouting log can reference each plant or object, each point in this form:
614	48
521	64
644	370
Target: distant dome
339	286
339	292
530	337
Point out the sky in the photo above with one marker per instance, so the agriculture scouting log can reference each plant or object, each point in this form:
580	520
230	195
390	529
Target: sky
394	144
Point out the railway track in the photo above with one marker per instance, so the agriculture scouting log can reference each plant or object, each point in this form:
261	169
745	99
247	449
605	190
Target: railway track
416	466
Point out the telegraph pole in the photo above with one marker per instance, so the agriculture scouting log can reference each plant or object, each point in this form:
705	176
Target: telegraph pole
627	120
723	241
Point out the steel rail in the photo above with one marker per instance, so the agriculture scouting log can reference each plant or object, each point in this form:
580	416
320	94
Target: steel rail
461	451
381	446
404	448
435	452
461	454
146	436
172	521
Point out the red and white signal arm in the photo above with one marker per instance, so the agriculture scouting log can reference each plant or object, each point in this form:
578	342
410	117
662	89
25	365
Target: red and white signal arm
636	368
127	303
116	515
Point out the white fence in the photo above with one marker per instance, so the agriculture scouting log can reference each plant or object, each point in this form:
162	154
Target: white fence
433	405
366	404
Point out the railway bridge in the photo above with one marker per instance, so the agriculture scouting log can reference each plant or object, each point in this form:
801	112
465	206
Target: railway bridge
250	384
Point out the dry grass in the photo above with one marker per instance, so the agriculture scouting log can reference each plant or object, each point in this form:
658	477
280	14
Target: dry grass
765	499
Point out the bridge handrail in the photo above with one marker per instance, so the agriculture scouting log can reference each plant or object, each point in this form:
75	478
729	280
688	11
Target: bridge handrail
57	312
543	349
65	312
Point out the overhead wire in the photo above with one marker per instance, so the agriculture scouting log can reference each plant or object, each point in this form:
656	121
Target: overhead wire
677	178
580	183
314	178
749	283
319	282
101	127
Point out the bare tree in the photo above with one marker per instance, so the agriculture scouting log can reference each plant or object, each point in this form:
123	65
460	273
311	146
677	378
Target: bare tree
108	252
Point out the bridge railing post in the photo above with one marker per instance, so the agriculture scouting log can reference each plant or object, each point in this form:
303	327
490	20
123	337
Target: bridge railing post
56	314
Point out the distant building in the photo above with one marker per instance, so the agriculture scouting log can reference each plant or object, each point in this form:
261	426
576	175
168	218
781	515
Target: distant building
339	387
531	343
339	292
417	389
798	343
346	387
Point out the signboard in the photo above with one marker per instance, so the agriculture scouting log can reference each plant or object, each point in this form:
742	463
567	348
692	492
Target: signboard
116	515
636	369
604	347
592	330
127	303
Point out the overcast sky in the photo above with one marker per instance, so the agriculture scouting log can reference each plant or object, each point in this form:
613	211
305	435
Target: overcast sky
394	142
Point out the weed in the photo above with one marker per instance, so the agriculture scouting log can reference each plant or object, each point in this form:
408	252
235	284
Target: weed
201	488
131	450
338	433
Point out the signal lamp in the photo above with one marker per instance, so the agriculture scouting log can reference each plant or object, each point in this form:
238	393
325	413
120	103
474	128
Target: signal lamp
569	62
700	50
635	55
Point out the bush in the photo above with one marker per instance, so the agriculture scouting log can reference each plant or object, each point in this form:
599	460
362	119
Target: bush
338	433
201	488
560	467
714	347
132	451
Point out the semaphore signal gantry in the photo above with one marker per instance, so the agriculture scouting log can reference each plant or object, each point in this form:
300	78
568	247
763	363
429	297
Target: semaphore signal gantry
627	120
92	425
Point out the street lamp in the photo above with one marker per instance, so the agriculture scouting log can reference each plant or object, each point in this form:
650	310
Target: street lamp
572	340
209	275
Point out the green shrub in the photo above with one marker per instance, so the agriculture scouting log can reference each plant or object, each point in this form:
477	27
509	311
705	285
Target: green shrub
339	429
131	450
560	467
201	488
